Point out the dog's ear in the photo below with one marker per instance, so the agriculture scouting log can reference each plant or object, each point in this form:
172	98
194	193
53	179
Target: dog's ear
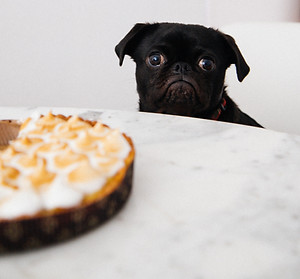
242	69
128	44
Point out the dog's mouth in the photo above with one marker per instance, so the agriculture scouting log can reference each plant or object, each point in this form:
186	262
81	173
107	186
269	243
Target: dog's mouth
180	96
180	92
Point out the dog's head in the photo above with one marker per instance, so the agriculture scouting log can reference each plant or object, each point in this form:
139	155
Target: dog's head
180	68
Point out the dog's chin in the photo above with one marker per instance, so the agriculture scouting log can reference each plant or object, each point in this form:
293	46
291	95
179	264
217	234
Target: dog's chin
180	92
180	98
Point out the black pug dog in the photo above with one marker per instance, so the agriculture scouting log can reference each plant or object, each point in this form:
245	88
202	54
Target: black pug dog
180	69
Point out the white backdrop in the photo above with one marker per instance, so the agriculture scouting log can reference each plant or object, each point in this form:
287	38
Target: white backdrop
61	52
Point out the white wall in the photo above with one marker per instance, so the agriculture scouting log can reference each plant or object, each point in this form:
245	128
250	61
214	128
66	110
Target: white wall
61	52
226	12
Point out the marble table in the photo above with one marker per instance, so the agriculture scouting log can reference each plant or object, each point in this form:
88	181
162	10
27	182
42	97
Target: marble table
210	200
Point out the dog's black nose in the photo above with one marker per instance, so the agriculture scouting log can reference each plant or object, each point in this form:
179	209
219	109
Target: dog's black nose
181	68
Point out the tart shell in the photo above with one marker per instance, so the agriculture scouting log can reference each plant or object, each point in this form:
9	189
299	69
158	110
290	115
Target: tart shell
58	225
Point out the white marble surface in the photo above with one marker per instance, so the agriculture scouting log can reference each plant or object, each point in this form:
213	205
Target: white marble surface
210	200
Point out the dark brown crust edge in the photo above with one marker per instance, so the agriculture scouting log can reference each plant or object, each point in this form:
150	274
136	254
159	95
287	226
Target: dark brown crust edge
41	231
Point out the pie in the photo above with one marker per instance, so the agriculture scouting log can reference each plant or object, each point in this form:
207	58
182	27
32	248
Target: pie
60	176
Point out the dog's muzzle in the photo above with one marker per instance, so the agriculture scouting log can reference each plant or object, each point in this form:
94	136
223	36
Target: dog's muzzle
180	92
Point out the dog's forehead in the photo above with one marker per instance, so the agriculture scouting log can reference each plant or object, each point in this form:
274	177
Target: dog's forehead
185	36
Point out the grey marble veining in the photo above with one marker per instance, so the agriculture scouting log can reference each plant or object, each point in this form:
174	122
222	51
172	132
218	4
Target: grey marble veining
210	200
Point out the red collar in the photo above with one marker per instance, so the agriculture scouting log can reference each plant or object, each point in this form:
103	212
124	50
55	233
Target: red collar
219	110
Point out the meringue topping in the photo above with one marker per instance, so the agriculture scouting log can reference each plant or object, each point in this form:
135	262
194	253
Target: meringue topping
55	161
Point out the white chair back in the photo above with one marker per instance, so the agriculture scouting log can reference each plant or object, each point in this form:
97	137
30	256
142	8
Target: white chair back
271	91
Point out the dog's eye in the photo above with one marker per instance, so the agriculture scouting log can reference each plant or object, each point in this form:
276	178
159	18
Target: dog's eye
207	64
155	60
